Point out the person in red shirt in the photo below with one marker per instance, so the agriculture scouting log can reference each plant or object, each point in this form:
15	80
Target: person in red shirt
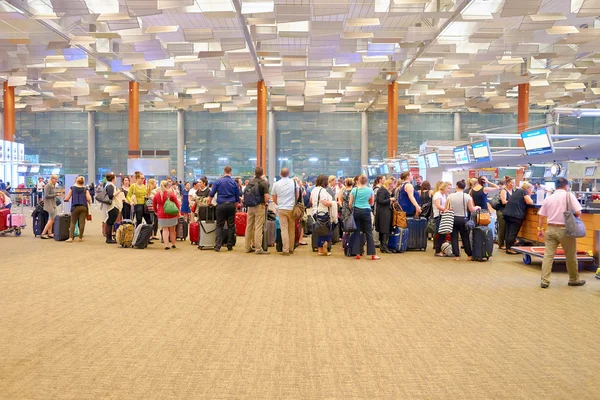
167	222
552	211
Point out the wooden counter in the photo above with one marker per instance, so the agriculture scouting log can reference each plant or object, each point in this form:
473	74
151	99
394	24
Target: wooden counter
590	217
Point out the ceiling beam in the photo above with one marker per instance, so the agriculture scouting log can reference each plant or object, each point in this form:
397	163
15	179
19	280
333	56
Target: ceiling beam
248	37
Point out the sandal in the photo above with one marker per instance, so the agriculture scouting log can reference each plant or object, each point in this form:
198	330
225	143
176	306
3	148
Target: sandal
511	252
456	258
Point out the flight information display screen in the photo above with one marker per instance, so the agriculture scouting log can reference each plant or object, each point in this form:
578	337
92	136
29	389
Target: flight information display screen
481	151
461	155
537	142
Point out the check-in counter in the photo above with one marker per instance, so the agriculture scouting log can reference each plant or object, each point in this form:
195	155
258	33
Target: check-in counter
589	216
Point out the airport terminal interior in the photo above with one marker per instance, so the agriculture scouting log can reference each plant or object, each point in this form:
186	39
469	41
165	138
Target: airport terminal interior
135	131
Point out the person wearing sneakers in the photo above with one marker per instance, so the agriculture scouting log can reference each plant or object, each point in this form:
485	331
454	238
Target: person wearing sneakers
256	199
79	206
552	212
361	200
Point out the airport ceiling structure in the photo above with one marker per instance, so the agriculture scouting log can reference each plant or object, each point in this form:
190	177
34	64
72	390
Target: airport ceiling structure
314	55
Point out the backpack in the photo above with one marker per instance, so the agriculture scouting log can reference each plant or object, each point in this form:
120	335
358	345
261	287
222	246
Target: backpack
252	194
102	196
124	234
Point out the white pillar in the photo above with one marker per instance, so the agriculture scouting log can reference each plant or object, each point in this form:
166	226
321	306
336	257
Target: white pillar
364	139
457	131
180	144
91	146
271	148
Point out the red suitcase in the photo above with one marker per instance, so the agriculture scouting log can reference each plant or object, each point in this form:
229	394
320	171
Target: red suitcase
195	233
3	214
241	220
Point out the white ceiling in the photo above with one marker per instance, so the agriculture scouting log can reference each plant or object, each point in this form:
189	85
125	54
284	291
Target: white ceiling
319	55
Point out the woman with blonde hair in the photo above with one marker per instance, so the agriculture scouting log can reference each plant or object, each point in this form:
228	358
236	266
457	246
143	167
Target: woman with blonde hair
79	206
166	220
439	205
514	214
50	206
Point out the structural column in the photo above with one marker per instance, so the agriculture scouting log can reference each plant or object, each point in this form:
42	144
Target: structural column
364	139
180	145
457	132
9	112
91	156
261	125
134	116
392	147
523	110
271	149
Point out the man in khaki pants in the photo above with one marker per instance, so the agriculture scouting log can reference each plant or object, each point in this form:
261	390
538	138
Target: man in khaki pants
256	198
552	211
285	192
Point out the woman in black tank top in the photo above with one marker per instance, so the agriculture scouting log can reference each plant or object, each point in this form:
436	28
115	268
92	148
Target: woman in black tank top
514	214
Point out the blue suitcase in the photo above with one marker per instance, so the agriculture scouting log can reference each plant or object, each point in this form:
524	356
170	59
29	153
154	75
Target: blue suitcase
398	242
417	233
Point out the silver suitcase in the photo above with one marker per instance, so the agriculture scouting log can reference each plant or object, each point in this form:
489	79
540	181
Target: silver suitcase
208	235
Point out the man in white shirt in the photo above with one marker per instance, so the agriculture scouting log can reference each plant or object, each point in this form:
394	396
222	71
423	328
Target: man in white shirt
285	193
552	211
40	189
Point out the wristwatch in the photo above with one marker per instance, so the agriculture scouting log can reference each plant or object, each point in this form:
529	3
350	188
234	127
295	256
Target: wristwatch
540	229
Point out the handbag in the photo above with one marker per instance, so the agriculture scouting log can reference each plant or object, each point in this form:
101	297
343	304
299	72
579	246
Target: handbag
446	222
399	216
58	202
322	226
169	207
299	208
482	218
469	223
348	223
574	226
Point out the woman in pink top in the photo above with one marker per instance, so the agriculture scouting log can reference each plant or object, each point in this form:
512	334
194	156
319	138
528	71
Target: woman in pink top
167	222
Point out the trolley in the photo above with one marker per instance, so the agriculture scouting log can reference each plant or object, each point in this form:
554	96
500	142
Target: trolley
12	222
529	252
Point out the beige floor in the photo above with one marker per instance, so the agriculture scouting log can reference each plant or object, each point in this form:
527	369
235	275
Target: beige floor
89	321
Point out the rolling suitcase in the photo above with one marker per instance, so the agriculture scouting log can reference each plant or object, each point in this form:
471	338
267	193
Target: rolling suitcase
315	243
398	241
417	233
181	230
482	243
350	249
241	221
194	233
142	235
62	225
124	233
40	219
208	235
15	220
4	215
270	233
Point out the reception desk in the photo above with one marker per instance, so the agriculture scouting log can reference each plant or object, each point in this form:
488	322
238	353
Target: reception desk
589	216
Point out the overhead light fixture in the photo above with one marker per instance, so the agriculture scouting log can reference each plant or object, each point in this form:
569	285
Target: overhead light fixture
313	159
345	159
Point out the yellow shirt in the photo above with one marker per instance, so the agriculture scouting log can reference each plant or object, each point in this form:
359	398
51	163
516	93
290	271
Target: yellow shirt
139	191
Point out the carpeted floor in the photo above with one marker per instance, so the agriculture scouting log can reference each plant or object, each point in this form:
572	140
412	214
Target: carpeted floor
89	321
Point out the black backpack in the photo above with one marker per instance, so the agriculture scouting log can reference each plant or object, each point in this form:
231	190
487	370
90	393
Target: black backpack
252	194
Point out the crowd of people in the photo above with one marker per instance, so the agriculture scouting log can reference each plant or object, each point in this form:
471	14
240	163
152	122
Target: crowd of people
319	208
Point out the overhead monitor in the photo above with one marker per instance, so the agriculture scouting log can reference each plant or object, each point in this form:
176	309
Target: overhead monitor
405	166
432	160
384	169
527	174
372	172
548	173
481	151
461	155
590	171
55	171
35	169
537	142
365	172
22	169
397	167
422	162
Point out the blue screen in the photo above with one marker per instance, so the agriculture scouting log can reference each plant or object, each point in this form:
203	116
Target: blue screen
461	155
537	142
481	151
422	163
405	166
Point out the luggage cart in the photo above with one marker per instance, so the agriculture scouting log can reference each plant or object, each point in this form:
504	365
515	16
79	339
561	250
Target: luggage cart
529	252
16	229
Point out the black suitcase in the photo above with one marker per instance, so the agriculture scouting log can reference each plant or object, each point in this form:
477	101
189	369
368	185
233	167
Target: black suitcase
315	243
142	236
62	225
265	240
40	219
335	235
482	243
417	233
182	229
348	242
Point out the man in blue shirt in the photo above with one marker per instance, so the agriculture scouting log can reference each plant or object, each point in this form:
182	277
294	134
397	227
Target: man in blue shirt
228	197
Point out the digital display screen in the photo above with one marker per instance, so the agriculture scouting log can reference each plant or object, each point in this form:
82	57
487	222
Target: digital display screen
397	167
481	151
405	166
422	163
365	172
372	172
537	142
35	169
384	169
547	173
461	155
527	174
433	160
22	168
590	171
55	171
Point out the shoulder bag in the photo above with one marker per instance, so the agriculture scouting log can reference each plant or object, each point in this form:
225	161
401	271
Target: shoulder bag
169	207
322	220
446	222
573	225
